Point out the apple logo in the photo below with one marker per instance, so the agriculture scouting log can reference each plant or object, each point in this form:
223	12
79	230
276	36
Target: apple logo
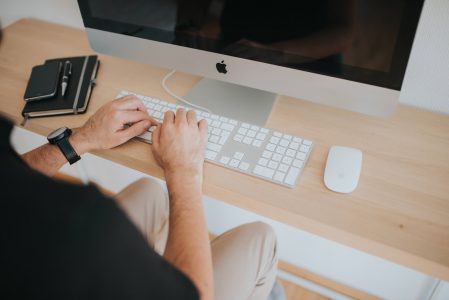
221	67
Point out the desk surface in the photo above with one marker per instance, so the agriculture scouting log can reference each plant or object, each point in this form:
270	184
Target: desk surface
400	210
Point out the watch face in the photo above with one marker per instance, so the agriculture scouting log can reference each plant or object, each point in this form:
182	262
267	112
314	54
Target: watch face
57	133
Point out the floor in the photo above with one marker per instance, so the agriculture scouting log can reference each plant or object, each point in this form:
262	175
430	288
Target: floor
295	292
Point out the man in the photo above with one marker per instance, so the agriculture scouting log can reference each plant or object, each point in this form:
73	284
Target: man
63	241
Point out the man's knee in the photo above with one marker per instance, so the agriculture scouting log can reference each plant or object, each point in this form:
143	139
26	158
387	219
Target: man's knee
264	234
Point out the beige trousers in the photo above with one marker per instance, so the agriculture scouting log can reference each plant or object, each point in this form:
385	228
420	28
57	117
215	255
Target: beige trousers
244	258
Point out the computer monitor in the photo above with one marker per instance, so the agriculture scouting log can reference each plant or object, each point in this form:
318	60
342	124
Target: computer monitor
350	54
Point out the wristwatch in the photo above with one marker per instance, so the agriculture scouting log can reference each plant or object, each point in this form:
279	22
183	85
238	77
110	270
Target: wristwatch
60	137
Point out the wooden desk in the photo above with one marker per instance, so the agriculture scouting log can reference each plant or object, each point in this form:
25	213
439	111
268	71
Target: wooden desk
400	211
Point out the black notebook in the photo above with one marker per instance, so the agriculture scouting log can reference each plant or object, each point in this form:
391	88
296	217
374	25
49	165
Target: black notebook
77	95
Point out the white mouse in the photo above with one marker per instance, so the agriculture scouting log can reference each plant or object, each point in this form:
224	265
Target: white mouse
343	168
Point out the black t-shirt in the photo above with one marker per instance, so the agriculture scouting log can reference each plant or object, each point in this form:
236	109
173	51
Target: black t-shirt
62	241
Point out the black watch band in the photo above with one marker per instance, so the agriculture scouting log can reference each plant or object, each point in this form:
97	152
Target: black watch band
68	151
60	137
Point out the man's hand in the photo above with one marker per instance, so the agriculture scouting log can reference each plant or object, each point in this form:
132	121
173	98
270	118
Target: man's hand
113	124
178	146
179	143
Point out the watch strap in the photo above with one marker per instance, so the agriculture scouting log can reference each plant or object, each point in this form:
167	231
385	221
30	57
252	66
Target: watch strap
68	151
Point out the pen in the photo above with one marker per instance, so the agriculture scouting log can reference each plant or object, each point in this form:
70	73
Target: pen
65	76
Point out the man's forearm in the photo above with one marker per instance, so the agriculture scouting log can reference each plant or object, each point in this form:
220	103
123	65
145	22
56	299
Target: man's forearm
48	159
188	246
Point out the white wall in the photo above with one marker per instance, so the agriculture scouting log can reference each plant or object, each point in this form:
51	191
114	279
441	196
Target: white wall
426	80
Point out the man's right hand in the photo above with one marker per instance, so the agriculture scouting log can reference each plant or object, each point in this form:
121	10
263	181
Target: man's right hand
179	144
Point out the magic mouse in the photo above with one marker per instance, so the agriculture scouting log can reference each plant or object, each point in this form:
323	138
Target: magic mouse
343	168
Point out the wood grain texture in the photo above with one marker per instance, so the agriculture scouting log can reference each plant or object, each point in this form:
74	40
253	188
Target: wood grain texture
400	210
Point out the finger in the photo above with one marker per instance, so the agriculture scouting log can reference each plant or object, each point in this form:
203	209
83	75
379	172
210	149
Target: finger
169	117
130	103
191	117
156	136
132	116
134	130
181	117
202	125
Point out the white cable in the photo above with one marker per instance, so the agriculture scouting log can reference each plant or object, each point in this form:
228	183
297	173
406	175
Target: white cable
164	85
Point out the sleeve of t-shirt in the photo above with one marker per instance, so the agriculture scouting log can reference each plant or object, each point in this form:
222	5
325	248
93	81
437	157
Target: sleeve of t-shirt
120	261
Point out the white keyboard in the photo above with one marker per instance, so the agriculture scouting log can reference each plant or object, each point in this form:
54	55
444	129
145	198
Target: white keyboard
246	148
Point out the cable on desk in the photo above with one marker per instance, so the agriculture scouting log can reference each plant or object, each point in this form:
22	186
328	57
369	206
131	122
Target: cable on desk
164	85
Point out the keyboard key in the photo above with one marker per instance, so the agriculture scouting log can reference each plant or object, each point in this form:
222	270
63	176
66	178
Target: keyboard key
277	134
224	119
234	163
270	147
297	139
222	140
304	148
242	131
263	162
283	167
274	140
245	125
210	155
279	176
280	150
247	140
273	164
251	133
216	131
291	176
294	145
255	128
224	160
225	133
244	166
287	160
284	143
233	122
298	163
214	139
261	136
263	171
158	107
267	154
238	155
226	126
238	138
301	155
264	130
213	147
214	117
215	123
290	153
276	157
257	143
307	142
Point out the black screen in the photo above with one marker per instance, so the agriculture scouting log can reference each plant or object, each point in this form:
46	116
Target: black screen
367	41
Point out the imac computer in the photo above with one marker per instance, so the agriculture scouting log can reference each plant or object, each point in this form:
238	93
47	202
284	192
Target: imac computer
350	54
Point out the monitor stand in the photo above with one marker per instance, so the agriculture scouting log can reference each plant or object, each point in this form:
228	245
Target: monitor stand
232	100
